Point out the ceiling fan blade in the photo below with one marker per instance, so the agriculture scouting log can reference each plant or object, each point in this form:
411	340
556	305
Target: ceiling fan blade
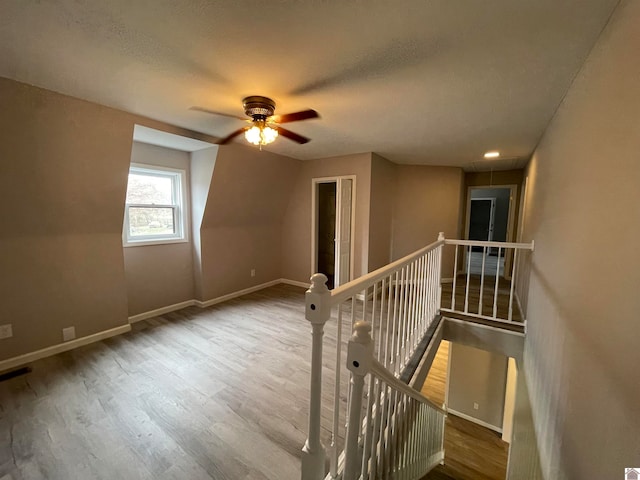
213	112
231	136
291	136
295	117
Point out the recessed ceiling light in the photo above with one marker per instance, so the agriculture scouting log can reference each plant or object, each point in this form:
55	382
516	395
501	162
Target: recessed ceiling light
492	154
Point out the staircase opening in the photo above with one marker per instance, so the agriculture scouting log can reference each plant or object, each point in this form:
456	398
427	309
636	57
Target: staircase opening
473	450
389	324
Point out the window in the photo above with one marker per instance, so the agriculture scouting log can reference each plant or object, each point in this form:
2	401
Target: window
155	206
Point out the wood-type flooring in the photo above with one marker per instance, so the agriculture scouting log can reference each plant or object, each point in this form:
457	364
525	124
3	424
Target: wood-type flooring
220	393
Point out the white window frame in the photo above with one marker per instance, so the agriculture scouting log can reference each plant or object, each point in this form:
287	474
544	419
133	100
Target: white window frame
179	206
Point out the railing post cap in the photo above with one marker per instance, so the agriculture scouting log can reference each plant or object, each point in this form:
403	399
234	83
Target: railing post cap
360	350
318	300
318	283
362	332
440	236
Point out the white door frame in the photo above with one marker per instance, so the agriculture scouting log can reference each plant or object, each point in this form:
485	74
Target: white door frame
314	219
513	195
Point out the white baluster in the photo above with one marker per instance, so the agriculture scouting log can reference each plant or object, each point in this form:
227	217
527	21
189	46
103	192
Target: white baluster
359	358
513	282
439	270
466	296
402	321
389	334
455	276
333	460
317	312
395	330
495	293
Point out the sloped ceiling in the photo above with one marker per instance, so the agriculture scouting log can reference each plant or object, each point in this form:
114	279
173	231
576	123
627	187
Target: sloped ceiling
418	81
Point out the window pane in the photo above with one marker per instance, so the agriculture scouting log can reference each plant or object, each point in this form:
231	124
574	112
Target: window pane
145	221
149	189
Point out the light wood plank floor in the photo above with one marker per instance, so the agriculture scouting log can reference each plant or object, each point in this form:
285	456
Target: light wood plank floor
197	394
472	452
220	393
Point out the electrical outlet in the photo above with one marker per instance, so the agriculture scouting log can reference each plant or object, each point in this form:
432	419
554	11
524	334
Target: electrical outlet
253	272
68	333
6	331
475	406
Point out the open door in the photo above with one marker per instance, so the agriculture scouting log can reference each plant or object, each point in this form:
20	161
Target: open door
343	233
326	197
481	220
332	236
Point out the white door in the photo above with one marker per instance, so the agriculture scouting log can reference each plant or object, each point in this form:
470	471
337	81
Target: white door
343	231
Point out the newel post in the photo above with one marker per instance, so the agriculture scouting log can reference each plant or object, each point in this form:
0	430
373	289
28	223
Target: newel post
359	359
318	311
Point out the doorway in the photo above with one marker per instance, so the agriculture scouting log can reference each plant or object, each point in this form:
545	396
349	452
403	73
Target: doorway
481	219
332	245
490	217
326	255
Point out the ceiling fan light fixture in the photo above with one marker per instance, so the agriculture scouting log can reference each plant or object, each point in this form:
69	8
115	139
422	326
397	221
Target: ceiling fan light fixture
261	135
264	125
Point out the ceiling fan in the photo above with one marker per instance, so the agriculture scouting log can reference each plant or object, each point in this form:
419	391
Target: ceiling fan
263	125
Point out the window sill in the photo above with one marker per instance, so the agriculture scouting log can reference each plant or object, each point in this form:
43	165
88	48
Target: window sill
146	243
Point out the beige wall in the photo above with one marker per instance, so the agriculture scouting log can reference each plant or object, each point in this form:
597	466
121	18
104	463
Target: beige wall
383	185
427	201
63	178
583	210
62	185
524	460
477	376
202	165
296	246
159	275
242	227
484	179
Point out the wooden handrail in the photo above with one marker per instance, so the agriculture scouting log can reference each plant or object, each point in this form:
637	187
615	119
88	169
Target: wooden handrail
348	290
478	243
382	373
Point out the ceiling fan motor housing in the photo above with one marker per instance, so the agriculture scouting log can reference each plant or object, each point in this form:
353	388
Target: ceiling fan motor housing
258	108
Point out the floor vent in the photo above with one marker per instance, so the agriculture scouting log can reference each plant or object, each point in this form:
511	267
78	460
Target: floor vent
14	373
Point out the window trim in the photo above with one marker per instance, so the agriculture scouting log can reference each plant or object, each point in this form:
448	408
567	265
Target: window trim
180	207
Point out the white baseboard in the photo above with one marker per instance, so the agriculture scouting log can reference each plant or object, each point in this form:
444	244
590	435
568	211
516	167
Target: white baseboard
207	303
295	283
161	311
20	360
475	420
238	293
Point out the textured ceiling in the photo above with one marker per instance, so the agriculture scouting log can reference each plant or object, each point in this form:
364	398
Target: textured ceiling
421	82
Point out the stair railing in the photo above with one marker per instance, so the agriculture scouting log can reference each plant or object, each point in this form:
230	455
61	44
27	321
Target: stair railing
403	431
480	278
399	303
